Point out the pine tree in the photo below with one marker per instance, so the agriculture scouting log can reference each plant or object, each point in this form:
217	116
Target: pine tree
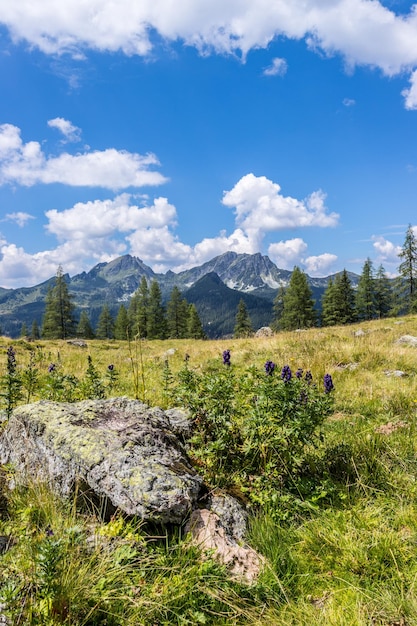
365	301
408	271
58	321
122	329
195	327
34	333
278	307
243	325
298	304
105	325
156	323
24	330
139	309
345	299
84	328
177	315
329	312
383	293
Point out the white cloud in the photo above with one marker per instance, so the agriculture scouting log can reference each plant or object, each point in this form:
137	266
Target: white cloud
18	268
260	208
20	217
277	68
27	165
349	102
118	226
71	133
387	251
108	216
364	32
320	265
410	94
286	254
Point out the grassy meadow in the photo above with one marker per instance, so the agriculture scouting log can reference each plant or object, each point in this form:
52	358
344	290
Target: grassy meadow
340	542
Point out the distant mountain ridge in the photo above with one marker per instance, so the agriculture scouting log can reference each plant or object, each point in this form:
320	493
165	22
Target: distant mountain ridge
253	277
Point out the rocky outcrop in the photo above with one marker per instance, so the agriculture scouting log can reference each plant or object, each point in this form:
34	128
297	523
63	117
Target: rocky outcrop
126	453
133	458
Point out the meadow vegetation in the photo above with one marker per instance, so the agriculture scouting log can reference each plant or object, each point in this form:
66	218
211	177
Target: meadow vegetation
329	480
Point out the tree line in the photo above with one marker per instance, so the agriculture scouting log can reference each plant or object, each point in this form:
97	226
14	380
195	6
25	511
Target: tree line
294	307
375	296
145	316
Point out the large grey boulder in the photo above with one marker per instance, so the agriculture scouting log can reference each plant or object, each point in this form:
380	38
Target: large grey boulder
125	452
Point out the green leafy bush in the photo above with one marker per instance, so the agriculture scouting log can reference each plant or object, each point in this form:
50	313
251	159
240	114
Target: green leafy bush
253	430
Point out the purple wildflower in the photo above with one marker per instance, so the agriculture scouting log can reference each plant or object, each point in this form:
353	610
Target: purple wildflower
52	367
308	377
286	374
11	355
269	367
226	357
110	367
299	373
328	383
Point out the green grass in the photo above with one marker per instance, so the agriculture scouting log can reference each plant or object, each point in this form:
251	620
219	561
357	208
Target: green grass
345	552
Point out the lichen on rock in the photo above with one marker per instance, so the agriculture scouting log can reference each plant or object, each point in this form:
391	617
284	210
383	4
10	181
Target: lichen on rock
121	449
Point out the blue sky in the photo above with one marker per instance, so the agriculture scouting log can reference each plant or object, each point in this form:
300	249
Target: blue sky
178	131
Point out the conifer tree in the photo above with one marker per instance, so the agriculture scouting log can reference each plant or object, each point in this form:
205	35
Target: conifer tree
24	330
122	329
139	309
156	323
195	327
365	301
105	325
383	293
345	299
34	333
84	328
278	307
58	321
298	304
408	271
329	313
243	325
177	315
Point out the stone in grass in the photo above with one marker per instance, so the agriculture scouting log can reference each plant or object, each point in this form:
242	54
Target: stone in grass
409	340
126	453
395	373
210	534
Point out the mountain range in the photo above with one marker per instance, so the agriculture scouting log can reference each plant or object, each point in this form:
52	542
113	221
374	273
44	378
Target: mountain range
215	287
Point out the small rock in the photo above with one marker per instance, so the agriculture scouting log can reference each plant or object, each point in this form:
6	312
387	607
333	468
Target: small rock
169	352
233	515
208	532
395	373
359	333
409	340
77	342
265	331
390	427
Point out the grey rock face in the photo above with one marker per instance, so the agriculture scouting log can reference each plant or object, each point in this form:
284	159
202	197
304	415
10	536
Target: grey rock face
121	449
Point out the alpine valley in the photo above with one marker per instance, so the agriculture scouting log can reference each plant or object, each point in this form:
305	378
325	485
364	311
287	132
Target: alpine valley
216	287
